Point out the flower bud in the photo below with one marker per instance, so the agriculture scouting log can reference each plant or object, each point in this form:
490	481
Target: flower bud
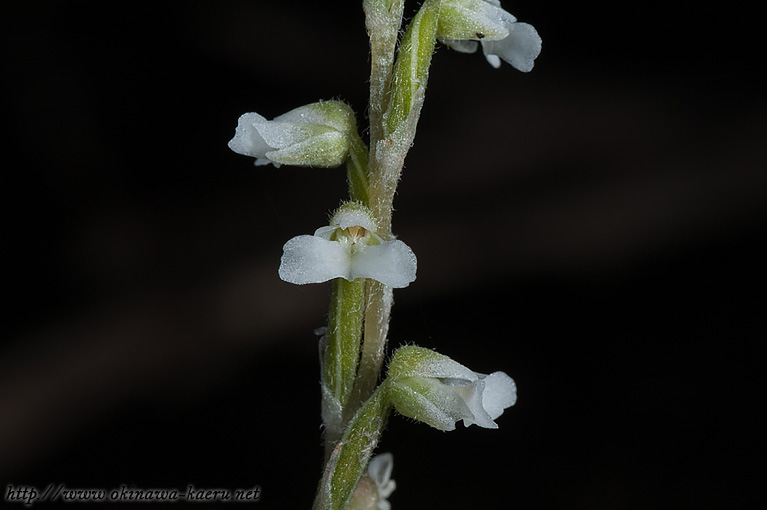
315	135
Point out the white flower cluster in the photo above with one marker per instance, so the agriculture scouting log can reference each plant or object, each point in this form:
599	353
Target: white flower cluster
350	247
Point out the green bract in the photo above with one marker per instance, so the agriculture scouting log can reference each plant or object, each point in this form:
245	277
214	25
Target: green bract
411	72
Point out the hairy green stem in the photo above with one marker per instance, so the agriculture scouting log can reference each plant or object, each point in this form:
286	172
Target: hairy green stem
342	348
383	19
411	72
379	302
396	98
399	123
351	454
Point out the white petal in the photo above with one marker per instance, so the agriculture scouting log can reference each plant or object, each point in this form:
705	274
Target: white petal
246	139
379	469
472	396
493	60
283	134
461	46
519	49
325	232
500	393
310	259
392	263
448	371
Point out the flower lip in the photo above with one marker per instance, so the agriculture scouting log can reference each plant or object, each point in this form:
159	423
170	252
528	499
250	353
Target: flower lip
519	49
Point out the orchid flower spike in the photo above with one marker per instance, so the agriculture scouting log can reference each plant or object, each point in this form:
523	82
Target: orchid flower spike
316	134
376	485
434	389
462	23
348	248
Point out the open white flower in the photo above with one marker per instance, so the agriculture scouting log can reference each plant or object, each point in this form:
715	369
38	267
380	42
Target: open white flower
434	389
316	134
501	36
349	248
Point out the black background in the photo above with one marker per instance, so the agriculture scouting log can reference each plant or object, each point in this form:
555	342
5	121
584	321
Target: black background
593	228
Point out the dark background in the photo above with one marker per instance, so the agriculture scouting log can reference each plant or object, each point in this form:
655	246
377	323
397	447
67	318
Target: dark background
593	228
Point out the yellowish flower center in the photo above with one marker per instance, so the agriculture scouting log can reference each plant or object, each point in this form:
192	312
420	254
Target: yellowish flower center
355	233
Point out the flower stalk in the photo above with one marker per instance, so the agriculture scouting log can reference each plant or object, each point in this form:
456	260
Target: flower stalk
397	129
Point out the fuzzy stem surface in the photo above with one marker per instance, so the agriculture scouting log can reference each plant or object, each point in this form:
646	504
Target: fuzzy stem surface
342	350
350	456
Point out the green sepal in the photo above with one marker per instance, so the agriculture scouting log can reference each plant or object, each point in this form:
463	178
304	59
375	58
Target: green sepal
470	20
412	360
428	401
323	147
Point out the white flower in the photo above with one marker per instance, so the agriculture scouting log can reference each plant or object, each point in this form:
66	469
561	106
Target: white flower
501	36
349	248
379	469
434	389
376	486
316	134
